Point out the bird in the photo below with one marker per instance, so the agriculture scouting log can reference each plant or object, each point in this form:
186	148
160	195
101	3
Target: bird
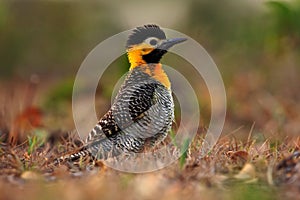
142	113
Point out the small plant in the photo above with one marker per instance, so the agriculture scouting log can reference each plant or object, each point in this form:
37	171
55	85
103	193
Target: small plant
184	152
173	137
36	140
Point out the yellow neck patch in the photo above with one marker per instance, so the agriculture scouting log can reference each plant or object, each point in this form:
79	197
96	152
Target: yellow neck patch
135	54
135	57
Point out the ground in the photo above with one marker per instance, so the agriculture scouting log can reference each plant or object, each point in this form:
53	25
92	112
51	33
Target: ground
236	168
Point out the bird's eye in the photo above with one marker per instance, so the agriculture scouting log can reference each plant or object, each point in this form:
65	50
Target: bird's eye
152	41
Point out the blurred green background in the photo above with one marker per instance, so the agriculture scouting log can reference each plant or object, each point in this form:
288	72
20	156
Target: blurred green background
254	43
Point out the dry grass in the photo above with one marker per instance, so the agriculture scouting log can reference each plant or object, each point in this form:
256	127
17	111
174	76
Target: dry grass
255	166
233	169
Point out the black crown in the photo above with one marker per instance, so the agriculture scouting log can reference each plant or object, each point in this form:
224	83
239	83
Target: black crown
143	32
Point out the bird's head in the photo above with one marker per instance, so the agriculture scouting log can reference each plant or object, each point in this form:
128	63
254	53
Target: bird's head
147	44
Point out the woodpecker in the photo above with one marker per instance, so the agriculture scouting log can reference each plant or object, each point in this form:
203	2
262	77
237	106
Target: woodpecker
142	113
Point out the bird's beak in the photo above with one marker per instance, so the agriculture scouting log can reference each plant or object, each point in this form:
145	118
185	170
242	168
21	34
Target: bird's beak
168	43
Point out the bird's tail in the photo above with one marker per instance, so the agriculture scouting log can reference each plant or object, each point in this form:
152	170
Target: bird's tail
98	149
71	157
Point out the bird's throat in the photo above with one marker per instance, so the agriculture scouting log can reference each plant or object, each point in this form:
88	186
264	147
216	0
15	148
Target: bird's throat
155	71
135	59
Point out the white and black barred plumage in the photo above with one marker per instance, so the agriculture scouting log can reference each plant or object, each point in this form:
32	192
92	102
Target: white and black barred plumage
142	111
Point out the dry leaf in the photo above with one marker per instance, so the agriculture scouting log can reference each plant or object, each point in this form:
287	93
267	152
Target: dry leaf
248	172
238	156
30	175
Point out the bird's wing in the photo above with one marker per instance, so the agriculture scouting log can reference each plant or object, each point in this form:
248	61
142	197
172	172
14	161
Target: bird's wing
129	107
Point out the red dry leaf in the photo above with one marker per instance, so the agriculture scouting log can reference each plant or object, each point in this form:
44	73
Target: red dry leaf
27	120
31	117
